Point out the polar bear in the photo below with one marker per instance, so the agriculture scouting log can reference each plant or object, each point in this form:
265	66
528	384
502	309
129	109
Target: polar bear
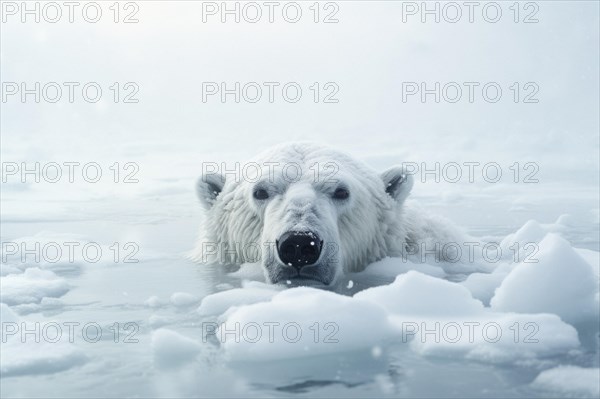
308	213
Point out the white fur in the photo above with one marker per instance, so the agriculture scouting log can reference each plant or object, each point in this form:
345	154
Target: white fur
370	225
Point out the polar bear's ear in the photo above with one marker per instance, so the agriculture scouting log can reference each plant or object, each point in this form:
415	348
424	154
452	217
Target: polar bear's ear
397	183
208	188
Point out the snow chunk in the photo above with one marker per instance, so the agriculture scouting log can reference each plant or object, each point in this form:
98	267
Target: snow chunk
441	318
562	282
220	302
531	232
154	302
392	267
493	337
566	220
570	380
483	285
172	349
310	322
406	310
182	299
591	257
31	286
414	293
45	304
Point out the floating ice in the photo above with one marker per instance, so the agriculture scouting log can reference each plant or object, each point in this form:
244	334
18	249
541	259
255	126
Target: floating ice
571	381
434	316
302	322
561	282
31	286
220	302
414	293
155	302
182	299
441	318
483	285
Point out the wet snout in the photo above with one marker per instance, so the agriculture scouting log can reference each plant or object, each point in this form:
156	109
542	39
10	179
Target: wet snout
299	248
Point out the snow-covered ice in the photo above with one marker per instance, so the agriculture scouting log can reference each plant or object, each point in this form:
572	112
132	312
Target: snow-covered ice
559	282
31	286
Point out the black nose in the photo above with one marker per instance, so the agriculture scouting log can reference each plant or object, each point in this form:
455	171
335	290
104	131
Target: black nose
299	248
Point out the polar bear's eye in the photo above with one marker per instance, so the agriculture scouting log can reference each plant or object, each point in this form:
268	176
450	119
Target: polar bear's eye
341	194
261	194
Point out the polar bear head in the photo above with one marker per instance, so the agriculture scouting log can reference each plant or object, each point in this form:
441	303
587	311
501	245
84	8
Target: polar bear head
305	211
